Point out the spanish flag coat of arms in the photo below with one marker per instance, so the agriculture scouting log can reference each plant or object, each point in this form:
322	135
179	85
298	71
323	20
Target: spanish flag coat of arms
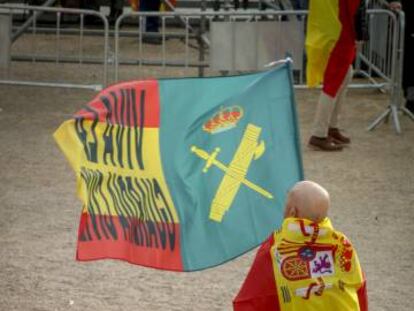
183	174
304	266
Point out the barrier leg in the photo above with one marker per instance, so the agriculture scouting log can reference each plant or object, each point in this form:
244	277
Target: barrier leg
393	112
378	120
408	113
396	119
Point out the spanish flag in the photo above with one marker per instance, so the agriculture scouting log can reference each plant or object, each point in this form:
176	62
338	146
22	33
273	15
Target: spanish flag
304	266
183	174
330	42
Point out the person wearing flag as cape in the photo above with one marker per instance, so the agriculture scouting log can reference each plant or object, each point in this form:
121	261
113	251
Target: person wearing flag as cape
334	27
306	265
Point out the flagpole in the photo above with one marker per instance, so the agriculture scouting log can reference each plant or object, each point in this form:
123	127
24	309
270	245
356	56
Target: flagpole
279	62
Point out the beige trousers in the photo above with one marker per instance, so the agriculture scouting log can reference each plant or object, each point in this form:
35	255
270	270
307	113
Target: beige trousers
329	108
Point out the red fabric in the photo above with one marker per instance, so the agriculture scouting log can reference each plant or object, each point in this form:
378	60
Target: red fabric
133	104
259	291
363	297
344	51
96	242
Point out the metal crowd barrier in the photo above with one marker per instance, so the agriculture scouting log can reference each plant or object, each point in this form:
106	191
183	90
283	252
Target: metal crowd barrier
384	58
234	40
64	50
379	53
189	41
378	58
203	49
213	43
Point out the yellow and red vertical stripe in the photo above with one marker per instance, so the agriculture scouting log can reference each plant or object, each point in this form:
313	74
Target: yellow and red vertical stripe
128	212
330	42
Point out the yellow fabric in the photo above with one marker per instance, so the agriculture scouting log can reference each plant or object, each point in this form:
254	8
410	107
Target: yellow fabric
334	271
323	30
72	147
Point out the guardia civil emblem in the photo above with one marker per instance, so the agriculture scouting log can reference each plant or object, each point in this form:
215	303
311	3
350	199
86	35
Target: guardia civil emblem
249	149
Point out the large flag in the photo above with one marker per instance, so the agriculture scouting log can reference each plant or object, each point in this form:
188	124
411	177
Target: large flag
304	266
330	42
183	174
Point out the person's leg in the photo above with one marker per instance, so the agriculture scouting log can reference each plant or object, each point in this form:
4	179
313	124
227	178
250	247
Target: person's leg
320	139
118	4
89	5
216	5
408	76
325	132
117	7
335	117
152	22
236	4
326	105
409	102
303	4
328	109
296	4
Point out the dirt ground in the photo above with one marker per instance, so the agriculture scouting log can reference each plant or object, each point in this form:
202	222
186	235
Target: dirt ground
371	184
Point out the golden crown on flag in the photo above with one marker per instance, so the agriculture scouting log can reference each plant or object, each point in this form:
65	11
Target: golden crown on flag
223	120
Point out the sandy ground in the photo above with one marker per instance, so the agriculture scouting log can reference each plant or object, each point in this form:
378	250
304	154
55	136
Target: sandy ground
371	184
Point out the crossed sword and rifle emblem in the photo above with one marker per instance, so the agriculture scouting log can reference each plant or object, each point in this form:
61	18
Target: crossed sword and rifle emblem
248	150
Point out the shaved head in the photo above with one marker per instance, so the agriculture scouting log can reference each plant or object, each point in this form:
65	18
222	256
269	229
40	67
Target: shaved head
309	200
